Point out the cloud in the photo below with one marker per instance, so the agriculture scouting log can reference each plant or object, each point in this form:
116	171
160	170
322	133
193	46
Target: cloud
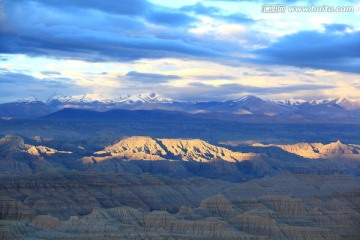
90	46
14	86
149	77
239	88
30	82
269	74
16	78
137	8
214	77
327	50
170	18
199	8
99	31
204	92
273	1
123	7
50	73
92	32
336	27
238	18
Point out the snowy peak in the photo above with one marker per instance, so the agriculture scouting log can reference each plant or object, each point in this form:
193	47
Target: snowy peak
30	99
96	98
146	98
349	104
84	98
290	109
248	98
291	102
341	101
346	103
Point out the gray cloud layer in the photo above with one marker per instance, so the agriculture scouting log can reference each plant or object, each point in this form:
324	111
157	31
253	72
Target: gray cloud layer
123	30
149	77
329	50
15	86
97	30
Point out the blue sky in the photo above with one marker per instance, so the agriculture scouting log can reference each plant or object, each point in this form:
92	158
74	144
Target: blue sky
188	50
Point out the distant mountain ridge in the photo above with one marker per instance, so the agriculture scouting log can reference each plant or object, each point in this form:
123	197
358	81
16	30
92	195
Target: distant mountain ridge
95	98
70	114
249	105
346	103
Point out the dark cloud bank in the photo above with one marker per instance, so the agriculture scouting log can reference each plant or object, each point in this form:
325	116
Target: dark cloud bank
120	31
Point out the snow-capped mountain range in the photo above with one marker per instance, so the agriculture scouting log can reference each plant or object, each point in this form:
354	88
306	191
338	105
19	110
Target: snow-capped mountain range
328	109
347	103
92	98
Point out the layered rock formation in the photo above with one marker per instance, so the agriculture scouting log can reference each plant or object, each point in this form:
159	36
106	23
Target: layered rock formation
146	148
137	207
17	156
11	144
149	188
43	150
319	150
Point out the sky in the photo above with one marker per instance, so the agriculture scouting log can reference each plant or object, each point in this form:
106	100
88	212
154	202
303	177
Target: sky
186	50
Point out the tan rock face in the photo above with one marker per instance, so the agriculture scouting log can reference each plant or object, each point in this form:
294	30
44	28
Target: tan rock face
145	145
43	150
319	150
33	151
200	151
146	148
